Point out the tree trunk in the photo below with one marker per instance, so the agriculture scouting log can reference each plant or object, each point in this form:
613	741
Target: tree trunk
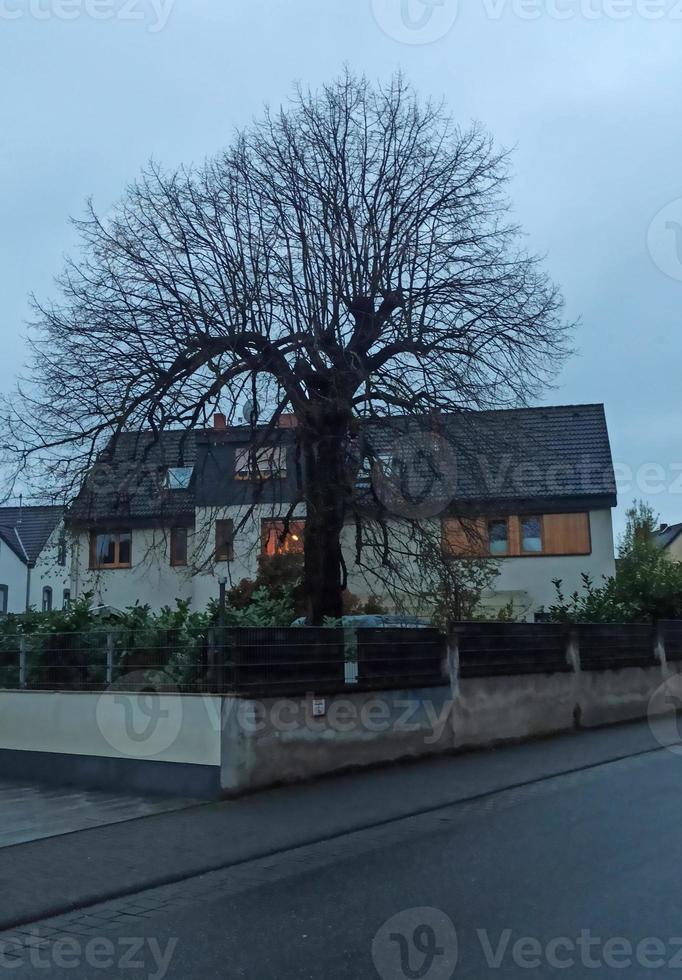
327	490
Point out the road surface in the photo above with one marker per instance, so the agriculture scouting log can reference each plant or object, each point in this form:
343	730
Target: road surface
574	875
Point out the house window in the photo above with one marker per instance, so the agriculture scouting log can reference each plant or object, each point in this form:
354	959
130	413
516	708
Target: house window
111	549
66	598
498	537
282	539
47	599
178	546
224	540
61	550
4	599
265	463
531	535
179	477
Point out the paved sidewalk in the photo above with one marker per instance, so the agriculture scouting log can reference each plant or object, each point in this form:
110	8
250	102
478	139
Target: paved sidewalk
30	812
50	877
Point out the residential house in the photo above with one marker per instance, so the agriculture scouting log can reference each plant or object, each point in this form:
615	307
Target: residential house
170	516
668	538
33	559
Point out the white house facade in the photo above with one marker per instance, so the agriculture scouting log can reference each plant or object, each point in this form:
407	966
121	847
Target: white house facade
35	567
171	516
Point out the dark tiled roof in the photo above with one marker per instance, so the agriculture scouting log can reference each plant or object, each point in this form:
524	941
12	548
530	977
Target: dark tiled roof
26	529
665	537
554	452
128	481
557	452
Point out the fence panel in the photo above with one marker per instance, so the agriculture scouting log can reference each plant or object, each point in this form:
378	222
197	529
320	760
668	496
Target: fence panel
671	634
612	646
401	657
506	649
282	660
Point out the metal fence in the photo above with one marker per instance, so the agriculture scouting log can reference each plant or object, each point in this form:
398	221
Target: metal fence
221	660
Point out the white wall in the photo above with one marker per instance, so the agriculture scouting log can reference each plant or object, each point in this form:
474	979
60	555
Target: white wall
528	581
150	580
13	575
112	725
49	573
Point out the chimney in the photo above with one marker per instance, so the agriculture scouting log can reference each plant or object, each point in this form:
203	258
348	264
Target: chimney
219	421
287	421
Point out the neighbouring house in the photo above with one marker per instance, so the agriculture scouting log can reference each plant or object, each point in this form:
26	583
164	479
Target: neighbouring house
668	538
34	570
168	516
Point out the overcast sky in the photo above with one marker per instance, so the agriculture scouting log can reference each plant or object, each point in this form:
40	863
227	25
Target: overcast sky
588	91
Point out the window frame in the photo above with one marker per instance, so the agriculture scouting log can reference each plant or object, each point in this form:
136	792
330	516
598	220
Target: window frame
47	594
4	599
253	472
188	472
106	566
507	553
227	554
296	530
66	598
523	552
175	562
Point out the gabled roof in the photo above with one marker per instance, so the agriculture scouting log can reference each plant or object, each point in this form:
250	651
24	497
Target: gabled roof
129	480
557	454
25	530
519	454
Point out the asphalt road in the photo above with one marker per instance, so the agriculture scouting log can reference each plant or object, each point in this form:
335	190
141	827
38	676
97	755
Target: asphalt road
577	875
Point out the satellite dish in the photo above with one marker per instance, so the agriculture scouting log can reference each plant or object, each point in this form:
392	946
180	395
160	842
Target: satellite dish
251	412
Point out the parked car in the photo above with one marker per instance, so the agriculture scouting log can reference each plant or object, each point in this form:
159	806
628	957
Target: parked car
376	621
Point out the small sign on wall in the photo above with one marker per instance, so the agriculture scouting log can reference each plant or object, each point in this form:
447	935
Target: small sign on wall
319	707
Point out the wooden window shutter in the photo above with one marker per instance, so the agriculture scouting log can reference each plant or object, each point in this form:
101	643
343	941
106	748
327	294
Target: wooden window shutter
567	534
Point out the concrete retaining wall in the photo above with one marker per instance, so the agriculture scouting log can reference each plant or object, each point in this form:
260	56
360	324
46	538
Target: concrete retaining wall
205	746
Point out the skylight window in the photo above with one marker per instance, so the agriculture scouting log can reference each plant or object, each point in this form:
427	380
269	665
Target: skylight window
178	477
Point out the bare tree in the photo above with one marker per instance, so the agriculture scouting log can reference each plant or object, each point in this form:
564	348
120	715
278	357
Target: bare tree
350	256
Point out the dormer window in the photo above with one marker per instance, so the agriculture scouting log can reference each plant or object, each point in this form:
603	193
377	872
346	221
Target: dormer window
179	477
264	463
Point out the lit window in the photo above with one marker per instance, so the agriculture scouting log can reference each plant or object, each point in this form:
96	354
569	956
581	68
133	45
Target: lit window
282	539
178	546
47	599
531	535
111	550
179	477
224	540
498	537
268	462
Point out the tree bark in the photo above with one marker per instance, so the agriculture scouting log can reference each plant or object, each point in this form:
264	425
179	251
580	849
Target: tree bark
326	486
